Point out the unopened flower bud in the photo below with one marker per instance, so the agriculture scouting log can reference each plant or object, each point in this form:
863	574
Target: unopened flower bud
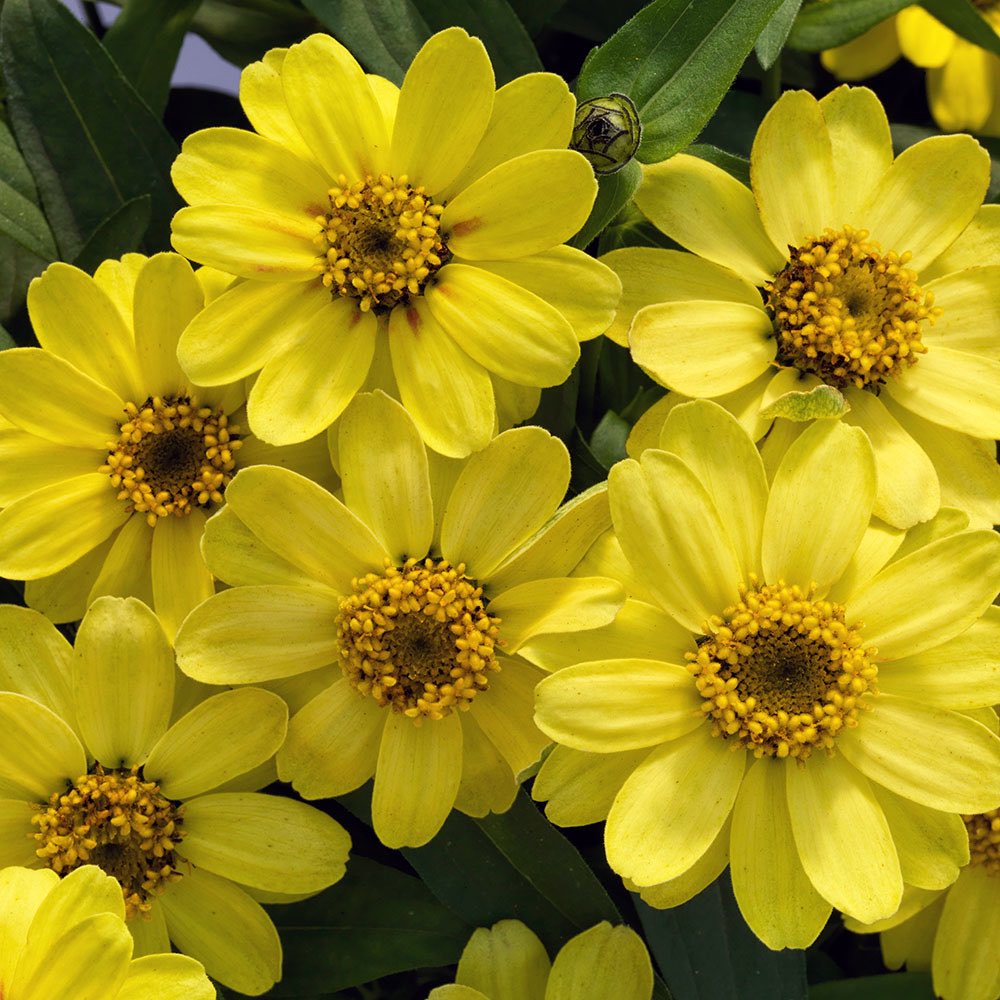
607	132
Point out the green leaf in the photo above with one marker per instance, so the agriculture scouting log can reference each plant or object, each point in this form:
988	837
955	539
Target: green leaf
608	440
384	36
120	233
675	59
6	340
145	41
515	865
825	24
897	986
536	14
243	30
822	402
374	922
772	39
963	18
735	166
91	143
614	192
706	951
23	222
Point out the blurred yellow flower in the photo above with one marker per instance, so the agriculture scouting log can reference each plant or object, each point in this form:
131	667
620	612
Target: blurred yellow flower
786	696
67	938
406	239
508	962
963	80
408	602
110	458
106	759
843	266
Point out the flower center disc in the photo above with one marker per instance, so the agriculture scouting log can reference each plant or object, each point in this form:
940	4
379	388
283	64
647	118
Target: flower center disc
118	821
780	672
380	241
984	840
848	313
171	455
418	638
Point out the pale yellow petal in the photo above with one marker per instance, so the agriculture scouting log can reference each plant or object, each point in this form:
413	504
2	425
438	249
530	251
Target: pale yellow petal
263	100
29	463
252	634
870	53
124	677
835	816
699	876
416	780
810	530
772	890
650	275
702	348
56	757
711	214
64	596
602	962
791	164
970	311
505	962
488	783
960	92
523	206
181	580
671	807
167	977
937	758
925	41
444	106
35	659
448	394
22	892
968	937
305	389
333	742
224	736
612	705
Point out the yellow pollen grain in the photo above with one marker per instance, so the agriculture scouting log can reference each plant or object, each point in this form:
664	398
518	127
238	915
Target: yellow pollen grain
418	638
984	840
847	312
380	241
781	673
172	455
118	821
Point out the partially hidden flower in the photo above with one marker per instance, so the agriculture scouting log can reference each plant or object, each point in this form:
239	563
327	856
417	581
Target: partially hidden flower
406	239
409	600
877	277
785	694
111	458
954	933
963	80
508	962
67	938
107	759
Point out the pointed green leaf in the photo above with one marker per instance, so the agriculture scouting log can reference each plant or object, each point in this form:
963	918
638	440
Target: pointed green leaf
825	25
772	39
120	233
822	402
614	192
964	19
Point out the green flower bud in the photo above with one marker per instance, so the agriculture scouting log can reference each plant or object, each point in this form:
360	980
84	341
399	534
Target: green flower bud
607	132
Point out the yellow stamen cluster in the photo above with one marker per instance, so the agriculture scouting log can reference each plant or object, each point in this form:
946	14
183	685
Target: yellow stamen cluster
418	638
984	840
380	241
118	821
847	312
171	455
781	673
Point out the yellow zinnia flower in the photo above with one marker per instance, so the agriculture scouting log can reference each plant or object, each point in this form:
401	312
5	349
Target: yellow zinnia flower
406	239
954	933
879	277
792	694
66	938
508	962
963	80
412	597
110	458
105	759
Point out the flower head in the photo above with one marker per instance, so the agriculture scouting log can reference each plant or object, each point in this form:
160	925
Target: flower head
112	458
784	696
106	760
406	239
508	962
409	602
67	938
845	267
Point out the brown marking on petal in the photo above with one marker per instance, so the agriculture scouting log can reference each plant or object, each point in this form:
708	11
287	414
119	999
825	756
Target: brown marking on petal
466	226
413	318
